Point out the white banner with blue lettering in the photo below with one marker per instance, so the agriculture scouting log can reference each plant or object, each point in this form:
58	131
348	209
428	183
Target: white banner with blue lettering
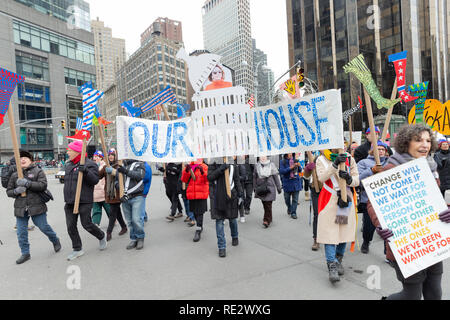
307	124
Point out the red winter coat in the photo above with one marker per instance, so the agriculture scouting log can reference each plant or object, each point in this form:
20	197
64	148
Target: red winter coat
197	189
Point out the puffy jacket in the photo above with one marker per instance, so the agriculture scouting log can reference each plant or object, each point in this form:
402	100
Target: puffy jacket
365	170
32	202
99	189
90	179
199	188
7	172
294	184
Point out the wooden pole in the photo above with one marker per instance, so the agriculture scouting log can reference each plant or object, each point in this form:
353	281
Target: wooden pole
350	129
372	127
12	128
80	179
121	185
227	178
314	172
342	182
389	114
102	139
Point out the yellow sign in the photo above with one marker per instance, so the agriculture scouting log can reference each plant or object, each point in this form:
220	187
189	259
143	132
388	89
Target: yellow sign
435	114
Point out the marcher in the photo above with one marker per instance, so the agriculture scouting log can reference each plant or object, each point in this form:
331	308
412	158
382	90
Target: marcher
266	183
171	182
290	169
112	195
442	158
362	152
31	205
367	168
337	218
190	219
99	192
195	176
413	142
248	185
133	200
309	168
224	207
242	172
90	179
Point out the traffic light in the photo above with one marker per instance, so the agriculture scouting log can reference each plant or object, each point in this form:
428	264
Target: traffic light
63	124
301	77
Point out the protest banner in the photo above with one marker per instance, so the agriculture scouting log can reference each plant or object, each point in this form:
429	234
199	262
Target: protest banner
307	124
435	114
407	200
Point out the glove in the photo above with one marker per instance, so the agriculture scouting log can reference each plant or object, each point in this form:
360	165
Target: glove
24	183
224	167
377	169
310	166
445	216
346	176
188	168
109	170
342	204
19	190
81	168
342	158
122	170
385	234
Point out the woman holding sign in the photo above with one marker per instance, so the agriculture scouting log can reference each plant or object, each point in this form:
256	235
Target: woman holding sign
337	218
413	142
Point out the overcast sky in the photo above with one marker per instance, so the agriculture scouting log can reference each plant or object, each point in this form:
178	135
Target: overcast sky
128	19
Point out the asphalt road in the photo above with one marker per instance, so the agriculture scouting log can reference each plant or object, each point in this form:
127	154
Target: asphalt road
269	264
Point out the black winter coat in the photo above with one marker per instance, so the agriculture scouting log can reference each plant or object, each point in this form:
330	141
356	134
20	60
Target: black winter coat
32	202
90	179
222	206
7	172
173	178
442	159
362	152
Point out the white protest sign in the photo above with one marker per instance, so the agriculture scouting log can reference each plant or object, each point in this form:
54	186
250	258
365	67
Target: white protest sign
356	137
222	125
407	200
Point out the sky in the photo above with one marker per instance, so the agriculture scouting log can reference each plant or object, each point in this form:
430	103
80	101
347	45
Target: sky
129	19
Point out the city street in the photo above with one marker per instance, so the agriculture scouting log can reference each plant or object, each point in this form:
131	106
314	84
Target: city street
272	264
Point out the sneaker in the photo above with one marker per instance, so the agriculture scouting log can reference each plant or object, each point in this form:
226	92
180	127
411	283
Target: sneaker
294	216
365	247
31	228
132	245
187	219
103	243
140	244
235	242
222	253
74	255
57	246
170	218
24	258
242	219
191	223
179	215
197	236
333	272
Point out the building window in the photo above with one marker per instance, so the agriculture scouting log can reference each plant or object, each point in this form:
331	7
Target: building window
78	78
32	66
30	113
33	92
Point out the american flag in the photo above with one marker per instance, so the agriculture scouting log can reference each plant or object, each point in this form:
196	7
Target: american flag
8	83
251	102
165	96
91	97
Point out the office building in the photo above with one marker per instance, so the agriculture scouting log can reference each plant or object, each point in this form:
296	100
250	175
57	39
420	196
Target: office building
55	59
166	28
264	78
227	32
326	35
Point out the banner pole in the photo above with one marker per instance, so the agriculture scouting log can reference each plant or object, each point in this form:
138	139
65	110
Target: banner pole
80	179
12	128
372	127
389	114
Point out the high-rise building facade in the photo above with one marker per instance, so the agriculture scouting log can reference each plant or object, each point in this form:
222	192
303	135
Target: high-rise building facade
151	69
325	35
74	12
227	32
110	54
264	77
55	59
167	28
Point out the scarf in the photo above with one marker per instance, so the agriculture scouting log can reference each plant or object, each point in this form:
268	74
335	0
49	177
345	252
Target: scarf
330	156
398	159
264	169
110	185
77	159
291	174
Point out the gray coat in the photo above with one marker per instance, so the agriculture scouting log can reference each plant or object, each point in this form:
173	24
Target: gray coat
32	202
273	182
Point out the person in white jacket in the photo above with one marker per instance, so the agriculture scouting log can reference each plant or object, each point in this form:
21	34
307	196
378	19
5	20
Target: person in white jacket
99	192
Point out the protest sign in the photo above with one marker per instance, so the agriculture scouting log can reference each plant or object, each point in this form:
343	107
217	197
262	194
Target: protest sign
435	114
356	137
222	130
408	201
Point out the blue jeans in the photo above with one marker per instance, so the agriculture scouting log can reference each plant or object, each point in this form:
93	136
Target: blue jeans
132	211
144	211
332	250
186	208
39	221
221	241
292	206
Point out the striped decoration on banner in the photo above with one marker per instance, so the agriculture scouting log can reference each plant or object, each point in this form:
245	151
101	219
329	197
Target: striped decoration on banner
132	112
8	83
251	102
165	96
79	126
91	97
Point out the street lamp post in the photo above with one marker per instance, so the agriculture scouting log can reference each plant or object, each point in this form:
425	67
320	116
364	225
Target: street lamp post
256	83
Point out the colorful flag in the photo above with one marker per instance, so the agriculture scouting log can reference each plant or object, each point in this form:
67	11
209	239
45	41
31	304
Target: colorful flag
181	110
419	91
251	102
8	83
91	97
98	118
165	96
130	109
79	126
400	60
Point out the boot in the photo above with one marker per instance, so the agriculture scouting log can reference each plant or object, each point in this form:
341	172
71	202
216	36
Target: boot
222	253
132	245
365	247
333	272
315	246
24	258
307	196
340	267
197	235
108	236
57	246
140	244
123	231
